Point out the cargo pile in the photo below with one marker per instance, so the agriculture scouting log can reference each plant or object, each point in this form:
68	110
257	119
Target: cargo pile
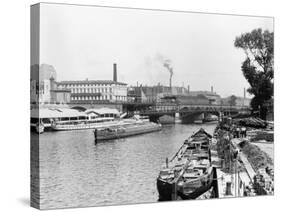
251	122
261	135
263	182
255	155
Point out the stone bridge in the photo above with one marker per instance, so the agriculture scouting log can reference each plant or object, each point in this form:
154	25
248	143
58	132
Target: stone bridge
189	113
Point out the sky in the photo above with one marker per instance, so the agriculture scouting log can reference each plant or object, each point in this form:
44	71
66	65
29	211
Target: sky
83	42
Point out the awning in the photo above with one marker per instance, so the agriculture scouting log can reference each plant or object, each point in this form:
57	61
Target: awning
55	113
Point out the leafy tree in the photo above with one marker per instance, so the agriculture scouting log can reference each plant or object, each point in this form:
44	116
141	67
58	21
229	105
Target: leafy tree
258	66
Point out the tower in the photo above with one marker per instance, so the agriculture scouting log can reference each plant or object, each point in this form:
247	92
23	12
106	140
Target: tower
114	72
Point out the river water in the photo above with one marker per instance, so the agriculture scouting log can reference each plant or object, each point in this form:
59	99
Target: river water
76	172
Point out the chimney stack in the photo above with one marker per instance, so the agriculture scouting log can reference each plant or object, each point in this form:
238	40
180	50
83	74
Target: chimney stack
114	72
170	83
212	89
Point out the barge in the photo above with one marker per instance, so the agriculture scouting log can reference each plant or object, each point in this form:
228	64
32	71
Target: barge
189	173
126	130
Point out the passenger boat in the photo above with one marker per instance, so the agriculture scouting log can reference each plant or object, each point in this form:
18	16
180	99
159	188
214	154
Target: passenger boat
189	173
126	129
59	119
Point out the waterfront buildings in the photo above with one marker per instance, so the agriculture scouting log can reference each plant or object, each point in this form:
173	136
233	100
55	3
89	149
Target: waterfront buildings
212	96
153	94
236	101
43	86
96	91
45	89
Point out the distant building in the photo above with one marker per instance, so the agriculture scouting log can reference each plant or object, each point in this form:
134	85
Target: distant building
239	101
152	94
96	91
212	96
43	86
193	100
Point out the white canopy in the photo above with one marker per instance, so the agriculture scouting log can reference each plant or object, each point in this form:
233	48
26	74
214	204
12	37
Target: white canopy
55	113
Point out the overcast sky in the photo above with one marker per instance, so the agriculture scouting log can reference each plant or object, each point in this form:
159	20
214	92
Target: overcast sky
83	42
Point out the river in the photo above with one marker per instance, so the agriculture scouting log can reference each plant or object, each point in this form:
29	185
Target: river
76	172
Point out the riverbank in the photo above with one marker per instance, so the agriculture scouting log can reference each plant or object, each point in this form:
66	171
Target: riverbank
254	153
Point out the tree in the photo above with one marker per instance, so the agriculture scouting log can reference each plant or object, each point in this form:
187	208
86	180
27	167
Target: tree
258	66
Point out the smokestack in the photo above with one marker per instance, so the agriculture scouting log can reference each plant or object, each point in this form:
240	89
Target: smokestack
212	89
167	64
114	72
244	93
188	88
170	82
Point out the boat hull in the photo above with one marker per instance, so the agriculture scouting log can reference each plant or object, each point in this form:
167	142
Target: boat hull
191	173
164	190
198	191
137	130
85	126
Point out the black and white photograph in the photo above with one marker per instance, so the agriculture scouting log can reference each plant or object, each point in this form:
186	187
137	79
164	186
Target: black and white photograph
133	106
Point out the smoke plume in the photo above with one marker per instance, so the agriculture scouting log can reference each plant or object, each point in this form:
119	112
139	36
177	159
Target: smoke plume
167	63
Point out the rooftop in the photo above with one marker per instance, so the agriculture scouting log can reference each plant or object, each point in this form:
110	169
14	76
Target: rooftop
91	82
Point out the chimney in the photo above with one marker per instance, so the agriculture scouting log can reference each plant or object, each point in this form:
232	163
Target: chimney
171	83
212	89
114	72
188	88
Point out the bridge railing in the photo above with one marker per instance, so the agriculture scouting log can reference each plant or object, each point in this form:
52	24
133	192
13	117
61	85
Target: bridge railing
187	108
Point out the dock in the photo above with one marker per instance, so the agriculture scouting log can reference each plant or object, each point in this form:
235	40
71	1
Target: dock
232	184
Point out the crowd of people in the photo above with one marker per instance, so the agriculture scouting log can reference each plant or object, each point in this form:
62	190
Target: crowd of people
239	132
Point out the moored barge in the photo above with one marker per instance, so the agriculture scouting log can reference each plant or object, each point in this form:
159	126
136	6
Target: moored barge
126	130
189	173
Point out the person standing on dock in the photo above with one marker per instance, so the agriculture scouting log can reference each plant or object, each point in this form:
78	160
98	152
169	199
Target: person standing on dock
95	135
237	132
243	132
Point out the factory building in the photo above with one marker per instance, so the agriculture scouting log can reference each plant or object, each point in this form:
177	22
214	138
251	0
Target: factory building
96	91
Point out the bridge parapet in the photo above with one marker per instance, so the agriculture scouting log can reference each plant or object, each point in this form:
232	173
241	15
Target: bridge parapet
194	108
